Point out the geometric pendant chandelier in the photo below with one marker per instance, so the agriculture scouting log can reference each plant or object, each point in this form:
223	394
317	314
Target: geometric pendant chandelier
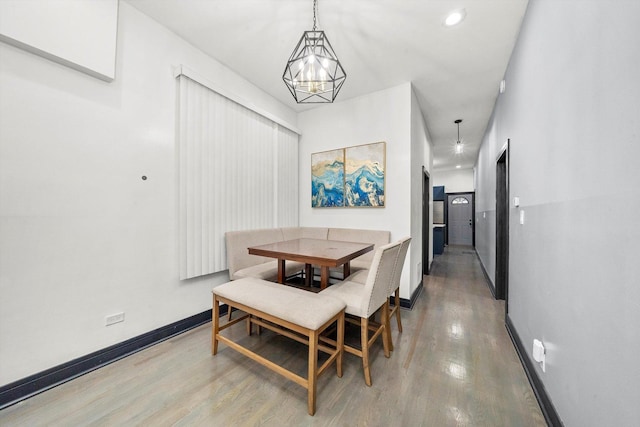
313	73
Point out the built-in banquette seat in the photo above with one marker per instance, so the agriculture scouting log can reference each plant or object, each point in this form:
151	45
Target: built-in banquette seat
241	264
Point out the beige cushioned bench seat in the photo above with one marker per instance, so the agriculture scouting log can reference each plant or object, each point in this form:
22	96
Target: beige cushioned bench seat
292	312
268	270
307	309
241	264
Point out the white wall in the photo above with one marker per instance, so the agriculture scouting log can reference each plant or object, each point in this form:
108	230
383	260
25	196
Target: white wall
82	236
380	116
572	110
485	172
421	155
76	33
454	181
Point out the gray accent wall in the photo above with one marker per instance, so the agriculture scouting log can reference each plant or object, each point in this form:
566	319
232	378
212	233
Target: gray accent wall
572	112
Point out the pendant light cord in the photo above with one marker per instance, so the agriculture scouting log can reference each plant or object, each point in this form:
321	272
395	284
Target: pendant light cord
315	6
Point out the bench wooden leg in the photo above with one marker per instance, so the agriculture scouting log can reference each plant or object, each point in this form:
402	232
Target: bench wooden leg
313	372
250	325
215	326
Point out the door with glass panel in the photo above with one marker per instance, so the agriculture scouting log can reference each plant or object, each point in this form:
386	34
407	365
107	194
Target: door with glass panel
460	218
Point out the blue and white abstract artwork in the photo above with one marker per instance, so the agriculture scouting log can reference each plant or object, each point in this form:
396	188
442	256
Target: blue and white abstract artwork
364	175
327	179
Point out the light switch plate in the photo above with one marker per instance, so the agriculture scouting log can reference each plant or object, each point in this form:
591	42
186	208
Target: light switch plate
521	217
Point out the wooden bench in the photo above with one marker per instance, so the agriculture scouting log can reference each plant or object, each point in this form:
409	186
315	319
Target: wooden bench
294	313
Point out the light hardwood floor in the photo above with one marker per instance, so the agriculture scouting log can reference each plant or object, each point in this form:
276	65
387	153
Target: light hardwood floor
454	365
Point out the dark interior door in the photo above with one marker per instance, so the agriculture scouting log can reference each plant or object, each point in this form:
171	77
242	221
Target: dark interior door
460	218
502	226
426	228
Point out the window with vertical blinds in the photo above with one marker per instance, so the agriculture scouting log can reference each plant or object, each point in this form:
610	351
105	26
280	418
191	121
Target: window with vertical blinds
238	170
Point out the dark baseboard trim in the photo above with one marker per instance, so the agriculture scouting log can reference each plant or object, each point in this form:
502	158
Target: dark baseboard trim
407	303
414	297
30	386
548	410
490	284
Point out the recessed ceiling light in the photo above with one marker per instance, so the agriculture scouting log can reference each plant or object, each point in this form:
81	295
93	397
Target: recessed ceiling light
455	17
458	166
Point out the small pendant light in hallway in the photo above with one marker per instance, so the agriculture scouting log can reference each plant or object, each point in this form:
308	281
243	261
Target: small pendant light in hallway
459	144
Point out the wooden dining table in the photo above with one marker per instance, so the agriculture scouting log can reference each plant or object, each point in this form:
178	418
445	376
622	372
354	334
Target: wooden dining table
319	252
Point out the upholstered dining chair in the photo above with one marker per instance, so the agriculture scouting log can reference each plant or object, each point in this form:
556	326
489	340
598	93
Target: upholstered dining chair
395	286
360	276
364	301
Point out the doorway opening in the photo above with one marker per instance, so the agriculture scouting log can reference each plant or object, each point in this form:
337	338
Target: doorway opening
502	226
426	228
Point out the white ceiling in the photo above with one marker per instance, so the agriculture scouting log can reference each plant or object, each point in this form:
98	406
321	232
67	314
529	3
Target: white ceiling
455	71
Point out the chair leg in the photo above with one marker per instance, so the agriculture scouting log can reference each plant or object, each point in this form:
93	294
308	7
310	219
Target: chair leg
388	324
385	333
215	326
397	304
340	344
364	339
228	313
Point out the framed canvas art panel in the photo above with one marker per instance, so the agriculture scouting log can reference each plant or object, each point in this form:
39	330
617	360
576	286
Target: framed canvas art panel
327	179
364	172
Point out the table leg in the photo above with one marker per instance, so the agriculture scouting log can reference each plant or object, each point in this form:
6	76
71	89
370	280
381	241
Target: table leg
324	276
346	272
308	275
281	270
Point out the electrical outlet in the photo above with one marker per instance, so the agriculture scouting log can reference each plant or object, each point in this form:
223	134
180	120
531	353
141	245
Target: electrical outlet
114	318
539	353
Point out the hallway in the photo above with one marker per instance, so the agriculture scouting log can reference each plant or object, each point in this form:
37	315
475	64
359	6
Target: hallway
454	365
473	368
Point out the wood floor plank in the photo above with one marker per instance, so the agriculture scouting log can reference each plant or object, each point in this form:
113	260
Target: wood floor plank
454	365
